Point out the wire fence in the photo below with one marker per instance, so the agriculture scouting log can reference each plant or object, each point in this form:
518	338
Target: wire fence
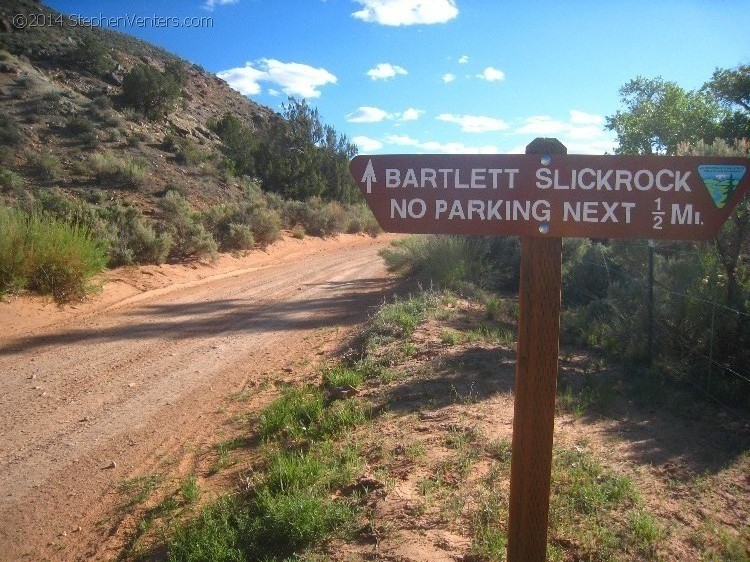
710	351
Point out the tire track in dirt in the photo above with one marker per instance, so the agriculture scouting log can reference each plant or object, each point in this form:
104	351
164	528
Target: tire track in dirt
139	379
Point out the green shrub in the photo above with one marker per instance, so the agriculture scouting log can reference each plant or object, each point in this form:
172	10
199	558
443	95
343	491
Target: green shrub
188	153
151	91
58	204
79	125
266	226
10	181
63	259
189	237
317	217
44	165
359	218
47	256
111	169
10	131
240	237
13	244
226	223
91	56
7	155
132	239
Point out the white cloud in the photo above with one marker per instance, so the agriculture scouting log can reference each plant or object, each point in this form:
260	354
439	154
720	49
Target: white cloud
474	123
367	144
438	147
491	74
583	118
411	114
211	4
464	59
448	77
245	80
385	70
406	12
294	79
541	125
366	114
581	133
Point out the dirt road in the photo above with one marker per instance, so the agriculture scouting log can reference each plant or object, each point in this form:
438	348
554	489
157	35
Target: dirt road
92	394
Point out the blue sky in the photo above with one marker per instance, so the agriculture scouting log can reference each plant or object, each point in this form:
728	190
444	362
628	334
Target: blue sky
456	76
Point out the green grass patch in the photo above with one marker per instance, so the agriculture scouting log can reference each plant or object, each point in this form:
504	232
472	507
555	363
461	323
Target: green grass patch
140	488
301	414
597	393
339	376
399	319
190	489
293	503
484	333
599	511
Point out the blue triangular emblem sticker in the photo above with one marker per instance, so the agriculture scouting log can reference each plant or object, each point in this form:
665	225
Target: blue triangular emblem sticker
721	181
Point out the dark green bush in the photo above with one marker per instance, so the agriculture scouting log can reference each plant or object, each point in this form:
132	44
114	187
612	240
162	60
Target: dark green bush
151	91
91	56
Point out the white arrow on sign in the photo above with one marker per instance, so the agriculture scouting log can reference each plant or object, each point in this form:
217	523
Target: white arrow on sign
369	176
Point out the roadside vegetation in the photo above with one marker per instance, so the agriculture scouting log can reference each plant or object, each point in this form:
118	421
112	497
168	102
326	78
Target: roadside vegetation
290	175
402	447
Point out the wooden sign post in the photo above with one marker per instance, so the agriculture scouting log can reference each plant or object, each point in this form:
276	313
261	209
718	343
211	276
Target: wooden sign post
536	386
543	196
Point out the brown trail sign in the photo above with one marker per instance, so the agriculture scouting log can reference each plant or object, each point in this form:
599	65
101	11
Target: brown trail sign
679	198
542	196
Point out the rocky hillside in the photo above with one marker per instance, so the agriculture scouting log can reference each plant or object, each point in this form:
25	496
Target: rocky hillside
61	98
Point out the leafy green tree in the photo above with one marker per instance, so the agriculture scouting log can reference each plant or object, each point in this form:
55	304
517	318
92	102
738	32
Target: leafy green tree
731	88
305	158
659	115
239	143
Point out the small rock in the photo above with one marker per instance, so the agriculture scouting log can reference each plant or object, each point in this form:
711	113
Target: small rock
112	464
77	529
